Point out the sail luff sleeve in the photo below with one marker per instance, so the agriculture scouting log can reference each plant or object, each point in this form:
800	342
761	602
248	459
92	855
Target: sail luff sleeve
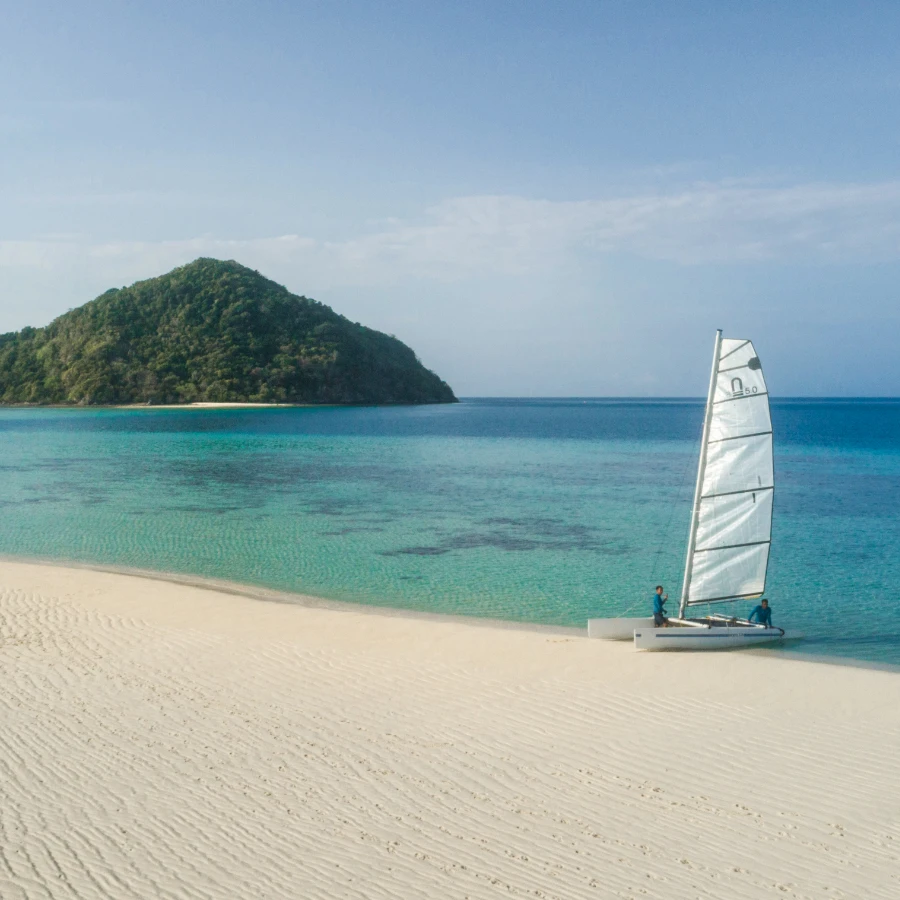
701	468
734	520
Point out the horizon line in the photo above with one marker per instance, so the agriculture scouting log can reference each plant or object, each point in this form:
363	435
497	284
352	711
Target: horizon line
672	397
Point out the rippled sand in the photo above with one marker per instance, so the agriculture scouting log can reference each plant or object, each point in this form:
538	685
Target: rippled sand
160	740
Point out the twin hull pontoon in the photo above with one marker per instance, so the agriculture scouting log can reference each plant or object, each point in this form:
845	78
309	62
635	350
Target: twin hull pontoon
684	634
731	519
698	634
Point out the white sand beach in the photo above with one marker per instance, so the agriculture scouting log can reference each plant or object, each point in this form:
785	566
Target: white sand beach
161	740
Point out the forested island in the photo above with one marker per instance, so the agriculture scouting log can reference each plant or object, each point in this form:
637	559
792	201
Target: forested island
214	332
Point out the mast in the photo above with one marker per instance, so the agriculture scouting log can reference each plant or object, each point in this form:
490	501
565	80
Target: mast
701	469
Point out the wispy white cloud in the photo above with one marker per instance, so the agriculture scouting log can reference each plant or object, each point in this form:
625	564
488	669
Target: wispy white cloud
721	222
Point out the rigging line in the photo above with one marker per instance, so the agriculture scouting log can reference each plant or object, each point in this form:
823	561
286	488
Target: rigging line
665	532
688	467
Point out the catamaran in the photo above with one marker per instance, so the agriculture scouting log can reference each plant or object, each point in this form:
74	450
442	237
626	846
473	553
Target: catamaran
731	519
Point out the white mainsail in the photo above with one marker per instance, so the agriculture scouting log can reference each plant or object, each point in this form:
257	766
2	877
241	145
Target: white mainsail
731	524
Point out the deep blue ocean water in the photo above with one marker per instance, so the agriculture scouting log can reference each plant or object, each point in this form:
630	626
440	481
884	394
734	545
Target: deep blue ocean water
546	511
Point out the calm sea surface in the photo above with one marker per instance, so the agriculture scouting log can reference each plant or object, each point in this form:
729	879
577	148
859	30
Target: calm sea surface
546	511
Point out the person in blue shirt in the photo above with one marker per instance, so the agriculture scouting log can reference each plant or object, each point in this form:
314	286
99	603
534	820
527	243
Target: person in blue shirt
762	614
659	608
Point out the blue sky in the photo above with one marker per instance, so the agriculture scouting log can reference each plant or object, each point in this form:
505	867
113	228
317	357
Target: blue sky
541	199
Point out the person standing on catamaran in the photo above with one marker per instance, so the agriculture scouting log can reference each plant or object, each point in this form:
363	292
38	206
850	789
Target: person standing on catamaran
659	607
762	614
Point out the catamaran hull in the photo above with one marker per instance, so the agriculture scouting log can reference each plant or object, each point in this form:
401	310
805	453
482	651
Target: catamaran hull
716	638
617	629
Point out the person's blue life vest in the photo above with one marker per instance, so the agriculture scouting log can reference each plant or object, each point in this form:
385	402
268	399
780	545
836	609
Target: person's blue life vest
659	605
763	616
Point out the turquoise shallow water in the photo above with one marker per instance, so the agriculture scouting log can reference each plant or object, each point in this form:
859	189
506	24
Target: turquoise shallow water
547	511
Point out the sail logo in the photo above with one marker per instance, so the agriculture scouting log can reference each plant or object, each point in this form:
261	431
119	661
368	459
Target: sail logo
738	389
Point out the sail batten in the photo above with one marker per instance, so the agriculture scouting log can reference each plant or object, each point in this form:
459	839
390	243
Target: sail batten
750	490
740	345
745	365
731	523
732	399
730	546
734	437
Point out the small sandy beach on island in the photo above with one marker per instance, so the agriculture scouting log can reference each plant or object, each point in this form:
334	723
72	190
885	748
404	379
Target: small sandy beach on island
165	740
208	405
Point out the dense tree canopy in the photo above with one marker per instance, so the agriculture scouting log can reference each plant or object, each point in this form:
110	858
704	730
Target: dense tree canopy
210	331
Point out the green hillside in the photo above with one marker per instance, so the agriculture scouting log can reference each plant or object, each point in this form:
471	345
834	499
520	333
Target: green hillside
210	331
